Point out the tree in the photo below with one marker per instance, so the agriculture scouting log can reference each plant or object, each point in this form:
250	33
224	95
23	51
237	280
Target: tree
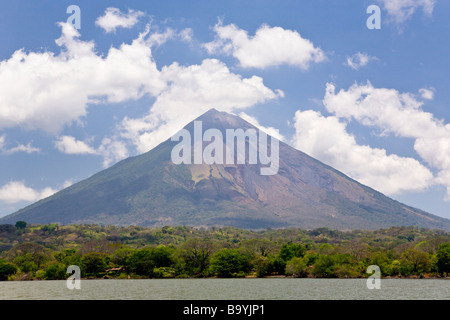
287	252
262	266
297	267
443	258
49	228
21	225
120	256
227	263
415	261
26	263
68	257
141	262
357	248
6	269
310	257
382	260
335	265
324	266
277	265
56	271
162	256
29	256
93	264
291	250
196	254
259	246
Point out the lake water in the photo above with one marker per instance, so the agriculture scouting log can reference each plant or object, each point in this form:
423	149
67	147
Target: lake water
227	289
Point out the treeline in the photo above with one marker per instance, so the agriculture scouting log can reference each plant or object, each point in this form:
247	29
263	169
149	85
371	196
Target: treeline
29	252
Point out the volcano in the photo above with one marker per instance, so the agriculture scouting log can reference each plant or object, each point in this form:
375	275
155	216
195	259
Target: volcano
152	190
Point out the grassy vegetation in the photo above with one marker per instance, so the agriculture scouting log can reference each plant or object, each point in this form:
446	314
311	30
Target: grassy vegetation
45	251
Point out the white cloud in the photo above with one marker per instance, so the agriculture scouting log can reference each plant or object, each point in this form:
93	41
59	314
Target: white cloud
69	145
402	10
427	94
327	139
28	148
61	86
112	151
67	183
396	113
359	60
17	191
186	34
44	90
114	18
387	109
193	90
270	46
269	130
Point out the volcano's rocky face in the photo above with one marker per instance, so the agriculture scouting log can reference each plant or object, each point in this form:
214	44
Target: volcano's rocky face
151	190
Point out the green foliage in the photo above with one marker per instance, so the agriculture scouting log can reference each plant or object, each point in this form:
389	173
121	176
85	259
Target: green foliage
195	255
381	259
335	266
21	225
310	258
140	262
291	250
443	259
93	264
56	271
414	262
29	256
6	269
162	256
228	263
262	266
297	267
45	252
68	257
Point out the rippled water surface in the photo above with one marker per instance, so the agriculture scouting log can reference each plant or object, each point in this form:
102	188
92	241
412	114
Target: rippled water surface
229	289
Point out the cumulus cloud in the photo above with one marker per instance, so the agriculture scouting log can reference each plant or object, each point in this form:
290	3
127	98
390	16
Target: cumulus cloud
114	18
16	191
387	109
400	114
270	46
112	151
28	148
60	86
269	130
427	94
193	90
359	60
186	34
327	139
402	10
69	145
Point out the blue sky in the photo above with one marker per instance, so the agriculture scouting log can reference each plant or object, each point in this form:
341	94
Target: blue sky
372	103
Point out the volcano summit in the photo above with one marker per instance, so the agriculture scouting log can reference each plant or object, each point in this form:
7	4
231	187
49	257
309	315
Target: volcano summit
152	190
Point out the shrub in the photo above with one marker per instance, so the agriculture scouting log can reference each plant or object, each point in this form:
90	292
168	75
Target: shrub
297	267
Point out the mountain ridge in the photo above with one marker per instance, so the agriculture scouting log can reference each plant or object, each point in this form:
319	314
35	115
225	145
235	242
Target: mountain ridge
150	190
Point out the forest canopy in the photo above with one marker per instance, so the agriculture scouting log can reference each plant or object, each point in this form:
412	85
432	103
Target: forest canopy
36	252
